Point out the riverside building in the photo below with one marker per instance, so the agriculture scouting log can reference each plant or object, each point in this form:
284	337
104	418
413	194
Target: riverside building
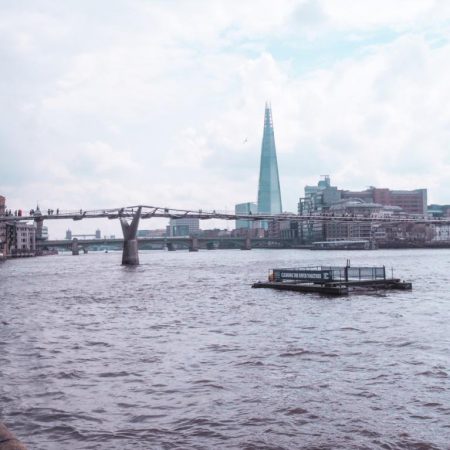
412	202
245	208
328	199
188	226
16	238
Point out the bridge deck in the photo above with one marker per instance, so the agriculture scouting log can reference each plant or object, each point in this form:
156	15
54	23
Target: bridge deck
149	212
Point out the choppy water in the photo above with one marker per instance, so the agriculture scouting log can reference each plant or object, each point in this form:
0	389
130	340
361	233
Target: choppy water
181	353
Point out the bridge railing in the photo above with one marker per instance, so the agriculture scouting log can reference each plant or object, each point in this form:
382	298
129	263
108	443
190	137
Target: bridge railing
176	213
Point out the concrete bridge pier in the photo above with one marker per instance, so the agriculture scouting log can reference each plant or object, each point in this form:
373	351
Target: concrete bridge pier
193	245
75	248
170	247
130	255
247	244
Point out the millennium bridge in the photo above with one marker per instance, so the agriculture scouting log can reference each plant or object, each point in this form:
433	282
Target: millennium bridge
130	254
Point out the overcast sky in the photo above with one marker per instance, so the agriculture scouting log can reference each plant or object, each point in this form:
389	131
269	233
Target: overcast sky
111	103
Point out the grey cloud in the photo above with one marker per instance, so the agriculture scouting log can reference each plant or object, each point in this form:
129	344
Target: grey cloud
134	75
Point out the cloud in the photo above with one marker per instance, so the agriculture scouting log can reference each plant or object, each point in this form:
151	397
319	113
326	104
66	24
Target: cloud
189	151
100	159
105	104
370	14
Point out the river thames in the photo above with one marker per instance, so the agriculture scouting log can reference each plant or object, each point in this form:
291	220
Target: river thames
181	353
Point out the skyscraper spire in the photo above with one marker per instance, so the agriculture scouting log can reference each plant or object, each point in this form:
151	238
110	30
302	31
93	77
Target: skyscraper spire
269	194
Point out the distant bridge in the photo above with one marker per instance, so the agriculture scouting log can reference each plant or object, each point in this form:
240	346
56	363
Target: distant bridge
159	240
193	243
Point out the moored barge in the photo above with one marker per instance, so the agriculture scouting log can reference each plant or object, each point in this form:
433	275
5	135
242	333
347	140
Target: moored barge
332	280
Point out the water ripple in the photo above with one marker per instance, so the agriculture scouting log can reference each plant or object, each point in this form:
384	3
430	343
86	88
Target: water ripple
180	353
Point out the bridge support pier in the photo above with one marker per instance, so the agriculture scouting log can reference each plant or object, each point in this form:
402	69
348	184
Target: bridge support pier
39	222
247	244
75	249
170	247
130	255
39	225
193	245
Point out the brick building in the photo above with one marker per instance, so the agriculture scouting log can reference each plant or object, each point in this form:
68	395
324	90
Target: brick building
412	202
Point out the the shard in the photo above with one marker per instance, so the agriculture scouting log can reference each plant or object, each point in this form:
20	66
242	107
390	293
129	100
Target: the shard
269	194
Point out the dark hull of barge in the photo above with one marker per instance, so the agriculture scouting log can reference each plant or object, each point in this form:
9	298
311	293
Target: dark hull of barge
336	288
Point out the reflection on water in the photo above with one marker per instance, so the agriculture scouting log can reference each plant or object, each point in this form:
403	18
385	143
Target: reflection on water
181	353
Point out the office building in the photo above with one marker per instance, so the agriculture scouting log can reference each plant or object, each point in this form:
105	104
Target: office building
412	202
245	208
151	233
269	194
316	200
319	198
351	230
187	226
438	210
325	198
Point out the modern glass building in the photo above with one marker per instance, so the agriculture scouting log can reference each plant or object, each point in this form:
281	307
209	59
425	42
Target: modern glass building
245	208
269	194
188	226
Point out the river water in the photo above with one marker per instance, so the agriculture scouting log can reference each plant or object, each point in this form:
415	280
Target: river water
181	353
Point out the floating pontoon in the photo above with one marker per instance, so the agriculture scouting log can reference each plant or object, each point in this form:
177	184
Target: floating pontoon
332	280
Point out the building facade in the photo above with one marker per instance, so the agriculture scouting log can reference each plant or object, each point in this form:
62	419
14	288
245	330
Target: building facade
440	233
412	202
328	199
245	208
19	239
2	239
2	225
151	233
187	226
320	197
439	211
317	199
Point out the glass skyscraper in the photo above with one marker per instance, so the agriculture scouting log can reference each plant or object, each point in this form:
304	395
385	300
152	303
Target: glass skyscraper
269	194
245	208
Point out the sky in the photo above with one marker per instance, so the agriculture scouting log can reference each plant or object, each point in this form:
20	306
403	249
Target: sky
110	103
